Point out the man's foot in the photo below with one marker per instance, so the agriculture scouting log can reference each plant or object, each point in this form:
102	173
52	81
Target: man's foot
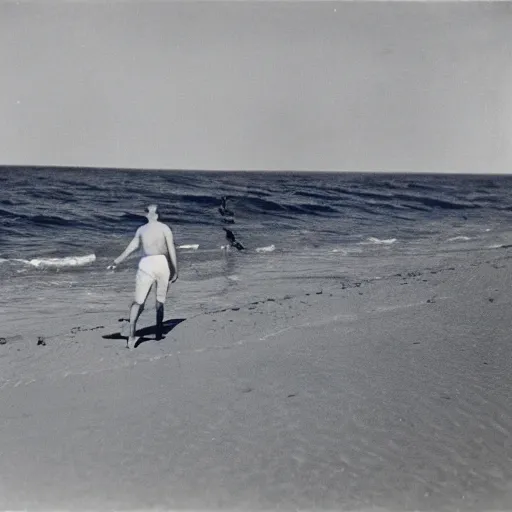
131	342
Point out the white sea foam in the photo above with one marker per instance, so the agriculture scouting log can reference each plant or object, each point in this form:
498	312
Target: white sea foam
193	247
70	261
347	251
459	238
269	248
7	260
378	241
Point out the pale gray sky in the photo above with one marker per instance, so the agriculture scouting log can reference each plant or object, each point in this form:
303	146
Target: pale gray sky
258	85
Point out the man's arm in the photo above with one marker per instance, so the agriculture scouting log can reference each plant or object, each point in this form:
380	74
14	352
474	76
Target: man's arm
132	246
171	251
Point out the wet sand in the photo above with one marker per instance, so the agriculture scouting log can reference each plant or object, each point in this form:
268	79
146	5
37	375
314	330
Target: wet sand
345	394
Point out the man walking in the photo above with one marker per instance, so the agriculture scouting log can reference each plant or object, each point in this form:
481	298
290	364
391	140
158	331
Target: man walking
157	265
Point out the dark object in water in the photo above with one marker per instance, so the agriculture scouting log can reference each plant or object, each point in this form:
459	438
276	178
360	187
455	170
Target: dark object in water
223	209
230	237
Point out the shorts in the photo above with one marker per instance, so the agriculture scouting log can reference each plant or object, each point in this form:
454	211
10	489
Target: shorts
152	269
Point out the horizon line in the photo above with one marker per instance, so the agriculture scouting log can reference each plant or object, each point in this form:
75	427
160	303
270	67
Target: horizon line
275	171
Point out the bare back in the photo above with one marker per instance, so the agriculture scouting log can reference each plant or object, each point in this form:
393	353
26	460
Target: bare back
154	236
156	239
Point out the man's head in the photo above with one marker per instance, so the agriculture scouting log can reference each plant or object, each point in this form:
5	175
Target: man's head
152	212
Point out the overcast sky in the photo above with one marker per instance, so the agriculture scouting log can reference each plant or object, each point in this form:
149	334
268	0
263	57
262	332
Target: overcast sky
257	85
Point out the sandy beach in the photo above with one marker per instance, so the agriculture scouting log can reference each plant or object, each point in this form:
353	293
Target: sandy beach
337	181
346	394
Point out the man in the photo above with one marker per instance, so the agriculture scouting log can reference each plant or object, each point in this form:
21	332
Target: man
157	265
223	208
227	215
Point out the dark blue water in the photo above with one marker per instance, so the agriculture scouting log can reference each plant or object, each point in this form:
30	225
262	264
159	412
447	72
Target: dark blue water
297	228
71	212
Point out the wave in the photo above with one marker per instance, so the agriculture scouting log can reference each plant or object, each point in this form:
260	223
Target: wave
39	222
378	241
100	208
13	260
459	238
68	261
500	246
193	247
269	248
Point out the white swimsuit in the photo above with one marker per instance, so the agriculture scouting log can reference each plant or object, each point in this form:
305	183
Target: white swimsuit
152	269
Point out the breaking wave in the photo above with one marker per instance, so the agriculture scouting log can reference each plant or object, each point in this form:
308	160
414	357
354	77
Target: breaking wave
378	241
269	248
68	261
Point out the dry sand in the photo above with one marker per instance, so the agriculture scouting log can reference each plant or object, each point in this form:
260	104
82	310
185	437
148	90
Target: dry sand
392	393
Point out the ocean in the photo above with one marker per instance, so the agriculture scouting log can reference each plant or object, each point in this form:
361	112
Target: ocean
60	229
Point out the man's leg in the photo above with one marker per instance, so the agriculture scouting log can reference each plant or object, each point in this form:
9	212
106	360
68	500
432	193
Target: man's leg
143	283
135	312
162	285
159	319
